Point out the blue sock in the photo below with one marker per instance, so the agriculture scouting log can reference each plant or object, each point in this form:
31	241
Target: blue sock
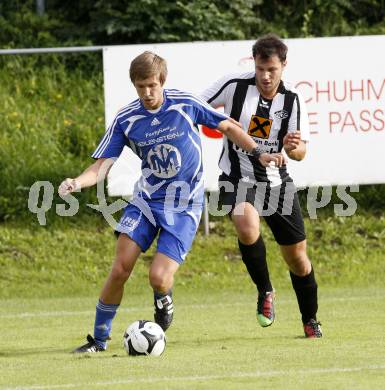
103	322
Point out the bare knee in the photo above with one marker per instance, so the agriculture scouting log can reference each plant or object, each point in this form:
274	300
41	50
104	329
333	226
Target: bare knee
160	281
247	227
248	234
299	263
127	252
297	259
300	266
120	272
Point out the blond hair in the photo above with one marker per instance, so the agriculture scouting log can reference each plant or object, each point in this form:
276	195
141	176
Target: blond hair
146	65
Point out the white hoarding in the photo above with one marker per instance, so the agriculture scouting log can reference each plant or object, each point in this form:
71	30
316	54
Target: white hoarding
341	79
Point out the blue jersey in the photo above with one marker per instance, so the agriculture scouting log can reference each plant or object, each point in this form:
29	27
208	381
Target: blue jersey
168	143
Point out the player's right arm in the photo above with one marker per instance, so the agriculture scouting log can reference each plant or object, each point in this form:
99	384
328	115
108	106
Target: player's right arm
217	93
95	173
109	148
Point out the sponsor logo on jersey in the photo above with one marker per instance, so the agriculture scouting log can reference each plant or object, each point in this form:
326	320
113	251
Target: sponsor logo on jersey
155	122
264	103
259	127
164	160
282	114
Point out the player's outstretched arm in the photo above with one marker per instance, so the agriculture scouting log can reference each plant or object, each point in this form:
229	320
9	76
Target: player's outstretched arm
294	147
92	175
244	141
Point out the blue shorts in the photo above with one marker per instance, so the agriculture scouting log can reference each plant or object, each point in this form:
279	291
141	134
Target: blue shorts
176	230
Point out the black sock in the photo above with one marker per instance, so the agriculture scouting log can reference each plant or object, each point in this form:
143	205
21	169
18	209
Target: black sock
305	288
254	257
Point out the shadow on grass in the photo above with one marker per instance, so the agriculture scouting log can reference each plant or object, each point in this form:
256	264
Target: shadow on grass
31	351
229	341
38	352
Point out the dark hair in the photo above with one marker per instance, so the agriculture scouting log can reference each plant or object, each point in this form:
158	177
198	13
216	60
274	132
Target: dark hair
268	46
146	65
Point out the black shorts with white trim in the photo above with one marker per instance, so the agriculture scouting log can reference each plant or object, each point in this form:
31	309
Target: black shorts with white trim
278	205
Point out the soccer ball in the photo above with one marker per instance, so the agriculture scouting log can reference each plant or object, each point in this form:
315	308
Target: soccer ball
144	338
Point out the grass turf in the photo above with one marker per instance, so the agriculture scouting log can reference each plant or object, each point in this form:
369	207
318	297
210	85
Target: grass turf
51	276
214	342
72	256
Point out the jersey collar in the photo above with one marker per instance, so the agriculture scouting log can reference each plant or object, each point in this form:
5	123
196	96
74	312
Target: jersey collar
163	107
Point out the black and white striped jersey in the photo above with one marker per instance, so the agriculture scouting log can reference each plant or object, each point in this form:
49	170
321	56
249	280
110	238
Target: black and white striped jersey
266	121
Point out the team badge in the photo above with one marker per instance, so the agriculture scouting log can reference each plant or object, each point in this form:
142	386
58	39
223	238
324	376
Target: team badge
259	127
164	160
282	114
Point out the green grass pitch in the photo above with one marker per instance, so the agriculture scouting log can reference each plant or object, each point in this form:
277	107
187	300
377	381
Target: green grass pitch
214	343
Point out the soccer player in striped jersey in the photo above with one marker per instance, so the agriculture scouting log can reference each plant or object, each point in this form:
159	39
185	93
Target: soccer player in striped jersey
274	114
161	129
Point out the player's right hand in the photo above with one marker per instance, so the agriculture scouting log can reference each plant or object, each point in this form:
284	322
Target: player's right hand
68	186
272	159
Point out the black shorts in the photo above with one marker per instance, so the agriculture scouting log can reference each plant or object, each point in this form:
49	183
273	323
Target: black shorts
278	205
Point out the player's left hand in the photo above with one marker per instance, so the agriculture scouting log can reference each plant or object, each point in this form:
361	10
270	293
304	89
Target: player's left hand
291	141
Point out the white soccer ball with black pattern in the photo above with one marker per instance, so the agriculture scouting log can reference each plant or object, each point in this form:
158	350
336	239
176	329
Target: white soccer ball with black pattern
144	338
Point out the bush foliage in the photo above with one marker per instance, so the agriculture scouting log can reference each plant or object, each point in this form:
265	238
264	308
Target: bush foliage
124	22
52	119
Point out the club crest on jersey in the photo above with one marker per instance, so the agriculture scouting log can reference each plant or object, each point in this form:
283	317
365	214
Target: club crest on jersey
259	127
281	114
164	160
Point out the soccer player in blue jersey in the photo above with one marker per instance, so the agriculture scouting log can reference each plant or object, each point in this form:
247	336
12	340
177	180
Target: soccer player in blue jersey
161	129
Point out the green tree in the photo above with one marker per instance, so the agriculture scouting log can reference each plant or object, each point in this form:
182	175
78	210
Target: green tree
105	22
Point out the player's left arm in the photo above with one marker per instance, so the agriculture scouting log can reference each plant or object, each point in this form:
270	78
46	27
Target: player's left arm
294	146
294	142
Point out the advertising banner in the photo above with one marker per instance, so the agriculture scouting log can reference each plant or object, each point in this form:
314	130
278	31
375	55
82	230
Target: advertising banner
341	79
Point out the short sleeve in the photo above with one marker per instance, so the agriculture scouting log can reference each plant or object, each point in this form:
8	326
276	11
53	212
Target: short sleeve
206	115
112	143
215	95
